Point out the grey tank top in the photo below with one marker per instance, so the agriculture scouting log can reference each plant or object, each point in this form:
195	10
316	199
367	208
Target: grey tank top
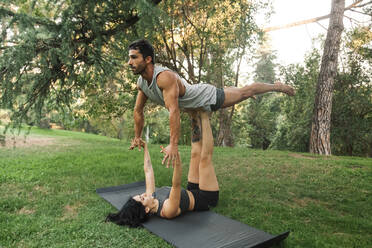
163	193
196	95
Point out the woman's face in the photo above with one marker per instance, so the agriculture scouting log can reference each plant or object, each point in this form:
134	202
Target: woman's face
146	200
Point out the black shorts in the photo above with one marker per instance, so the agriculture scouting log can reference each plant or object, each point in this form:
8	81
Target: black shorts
220	98
203	199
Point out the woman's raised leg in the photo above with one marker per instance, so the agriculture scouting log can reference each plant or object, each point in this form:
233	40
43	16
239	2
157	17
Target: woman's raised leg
207	176
196	145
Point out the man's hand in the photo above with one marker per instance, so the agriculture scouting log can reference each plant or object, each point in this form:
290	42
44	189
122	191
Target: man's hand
137	142
171	154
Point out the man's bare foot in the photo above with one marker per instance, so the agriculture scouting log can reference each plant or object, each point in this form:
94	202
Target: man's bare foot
289	90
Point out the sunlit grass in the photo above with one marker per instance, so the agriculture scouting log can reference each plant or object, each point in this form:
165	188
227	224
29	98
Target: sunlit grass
48	194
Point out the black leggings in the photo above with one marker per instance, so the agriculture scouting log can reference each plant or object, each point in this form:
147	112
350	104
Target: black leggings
203	198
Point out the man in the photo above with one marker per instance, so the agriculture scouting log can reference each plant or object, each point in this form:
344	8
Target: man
166	88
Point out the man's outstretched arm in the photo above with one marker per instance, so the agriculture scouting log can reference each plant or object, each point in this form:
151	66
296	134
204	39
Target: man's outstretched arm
167	81
139	119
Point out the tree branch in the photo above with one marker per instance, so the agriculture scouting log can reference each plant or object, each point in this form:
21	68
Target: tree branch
321	25
312	20
352	19
362	5
359	12
32	19
110	32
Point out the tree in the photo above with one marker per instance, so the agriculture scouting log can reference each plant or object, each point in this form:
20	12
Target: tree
262	112
66	51
351	118
321	121
294	120
204	42
53	52
352	102
349	123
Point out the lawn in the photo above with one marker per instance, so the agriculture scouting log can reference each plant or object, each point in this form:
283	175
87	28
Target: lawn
48	198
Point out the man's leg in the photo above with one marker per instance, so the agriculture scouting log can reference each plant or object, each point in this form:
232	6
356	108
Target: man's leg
234	95
196	145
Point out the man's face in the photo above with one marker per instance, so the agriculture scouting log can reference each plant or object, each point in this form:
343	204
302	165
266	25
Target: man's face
136	62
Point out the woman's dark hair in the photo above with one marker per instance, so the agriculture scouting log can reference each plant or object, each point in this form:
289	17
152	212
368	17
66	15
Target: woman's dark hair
144	47
131	214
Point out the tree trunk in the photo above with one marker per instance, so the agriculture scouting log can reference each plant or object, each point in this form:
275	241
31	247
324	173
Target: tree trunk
225	137
120	129
321	122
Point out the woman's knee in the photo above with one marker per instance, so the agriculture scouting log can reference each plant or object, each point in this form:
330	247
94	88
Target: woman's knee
206	161
195	154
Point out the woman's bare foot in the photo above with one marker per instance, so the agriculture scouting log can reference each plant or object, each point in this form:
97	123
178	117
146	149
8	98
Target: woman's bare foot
289	90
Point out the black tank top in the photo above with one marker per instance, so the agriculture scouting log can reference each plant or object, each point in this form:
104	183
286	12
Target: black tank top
163	193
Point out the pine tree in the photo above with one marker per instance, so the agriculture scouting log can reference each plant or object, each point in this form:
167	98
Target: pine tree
52	51
262	111
320	142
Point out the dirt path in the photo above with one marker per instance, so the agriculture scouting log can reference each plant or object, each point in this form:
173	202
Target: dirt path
29	141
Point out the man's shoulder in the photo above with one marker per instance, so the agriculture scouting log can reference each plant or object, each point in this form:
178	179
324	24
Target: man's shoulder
159	67
166	77
165	74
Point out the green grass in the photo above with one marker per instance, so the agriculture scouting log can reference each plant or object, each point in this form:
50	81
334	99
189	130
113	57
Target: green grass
48	194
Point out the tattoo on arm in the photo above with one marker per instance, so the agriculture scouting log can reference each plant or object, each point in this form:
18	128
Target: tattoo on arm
196	131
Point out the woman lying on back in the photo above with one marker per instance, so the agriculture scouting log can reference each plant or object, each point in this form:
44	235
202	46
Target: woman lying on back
169	202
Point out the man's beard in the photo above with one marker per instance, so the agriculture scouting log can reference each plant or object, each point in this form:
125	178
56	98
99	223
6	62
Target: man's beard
138	70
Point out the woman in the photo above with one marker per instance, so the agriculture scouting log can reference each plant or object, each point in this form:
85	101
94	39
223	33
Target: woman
169	202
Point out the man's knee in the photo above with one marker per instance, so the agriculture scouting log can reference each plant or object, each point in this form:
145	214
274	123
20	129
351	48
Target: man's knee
236	95
246	92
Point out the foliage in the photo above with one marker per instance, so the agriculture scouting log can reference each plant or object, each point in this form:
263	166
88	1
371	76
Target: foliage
157	121
261	113
193	37
156	128
293	124
68	56
205	41
53	51
352	104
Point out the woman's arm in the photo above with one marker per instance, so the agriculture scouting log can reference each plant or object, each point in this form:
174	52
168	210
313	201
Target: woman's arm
149	172
171	207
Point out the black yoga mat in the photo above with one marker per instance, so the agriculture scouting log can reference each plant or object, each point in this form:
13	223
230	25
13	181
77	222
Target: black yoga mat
194	229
